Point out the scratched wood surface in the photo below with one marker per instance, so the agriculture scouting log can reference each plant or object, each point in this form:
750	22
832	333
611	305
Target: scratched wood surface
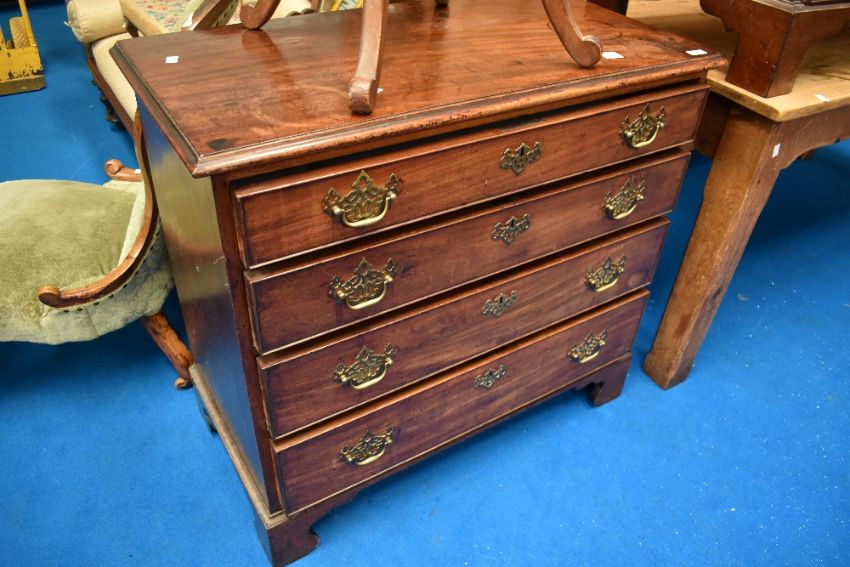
245	100
449	406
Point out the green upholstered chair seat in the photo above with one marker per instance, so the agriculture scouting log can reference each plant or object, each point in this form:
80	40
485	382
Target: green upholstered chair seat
71	234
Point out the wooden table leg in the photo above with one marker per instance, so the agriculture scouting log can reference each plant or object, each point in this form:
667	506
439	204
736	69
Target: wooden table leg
738	185
751	153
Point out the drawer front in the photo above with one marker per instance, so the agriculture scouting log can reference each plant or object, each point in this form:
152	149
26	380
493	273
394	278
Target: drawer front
325	380
351	450
317	297
306	211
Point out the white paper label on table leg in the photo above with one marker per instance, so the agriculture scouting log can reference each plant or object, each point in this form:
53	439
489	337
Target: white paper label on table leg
776	150
172	59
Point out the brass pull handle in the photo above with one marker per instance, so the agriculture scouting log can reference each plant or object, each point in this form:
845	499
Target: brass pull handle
512	227
366	287
589	348
624	202
517	160
497	306
366	204
369	449
490	377
368	368
644	129
607	275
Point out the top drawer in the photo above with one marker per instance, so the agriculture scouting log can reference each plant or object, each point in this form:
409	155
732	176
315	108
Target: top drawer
308	210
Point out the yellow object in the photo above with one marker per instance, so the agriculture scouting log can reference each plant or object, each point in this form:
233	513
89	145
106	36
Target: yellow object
20	64
334	5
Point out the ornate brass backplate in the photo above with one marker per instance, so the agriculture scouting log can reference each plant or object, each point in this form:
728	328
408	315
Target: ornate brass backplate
366	204
497	306
517	160
366	287
589	348
644	129
490	377
508	231
606	276
368	368
623	203
369	449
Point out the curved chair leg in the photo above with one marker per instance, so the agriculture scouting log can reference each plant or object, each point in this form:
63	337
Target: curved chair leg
170	344
364	86
585	49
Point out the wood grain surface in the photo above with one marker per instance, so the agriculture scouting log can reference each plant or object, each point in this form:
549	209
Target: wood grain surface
242	101
449	406
301	388
293	304
210	290
452	172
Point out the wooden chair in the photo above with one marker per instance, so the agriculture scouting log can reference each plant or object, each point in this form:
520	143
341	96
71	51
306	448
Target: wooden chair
363	89
65	236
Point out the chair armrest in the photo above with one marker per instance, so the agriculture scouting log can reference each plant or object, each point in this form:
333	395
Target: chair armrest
211	13
52	296
117	171
91	20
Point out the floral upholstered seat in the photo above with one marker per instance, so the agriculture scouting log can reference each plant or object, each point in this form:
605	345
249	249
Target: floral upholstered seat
100	24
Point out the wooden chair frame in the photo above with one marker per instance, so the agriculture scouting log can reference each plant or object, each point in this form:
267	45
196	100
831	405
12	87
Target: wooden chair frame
156	325
363	89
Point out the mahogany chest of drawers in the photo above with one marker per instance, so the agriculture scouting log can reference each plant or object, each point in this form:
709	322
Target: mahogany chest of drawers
360	292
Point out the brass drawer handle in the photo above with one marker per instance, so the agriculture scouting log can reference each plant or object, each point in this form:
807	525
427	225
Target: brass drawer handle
589	348
624	202
490	377
366	204
368	368
644	129
369	449
517	160
607	275
497	306
512	227
366	287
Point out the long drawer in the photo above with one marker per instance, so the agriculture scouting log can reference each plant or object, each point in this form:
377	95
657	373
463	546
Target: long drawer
316	297
361	446
305	211
321	381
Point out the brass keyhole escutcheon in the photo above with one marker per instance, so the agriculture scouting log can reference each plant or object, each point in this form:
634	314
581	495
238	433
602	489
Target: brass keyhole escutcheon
488	379
497	306
517	160
510	229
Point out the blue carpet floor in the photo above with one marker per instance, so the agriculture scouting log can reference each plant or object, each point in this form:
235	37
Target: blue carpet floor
102	462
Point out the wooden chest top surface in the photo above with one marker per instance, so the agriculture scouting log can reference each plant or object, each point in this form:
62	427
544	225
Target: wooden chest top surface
240	100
